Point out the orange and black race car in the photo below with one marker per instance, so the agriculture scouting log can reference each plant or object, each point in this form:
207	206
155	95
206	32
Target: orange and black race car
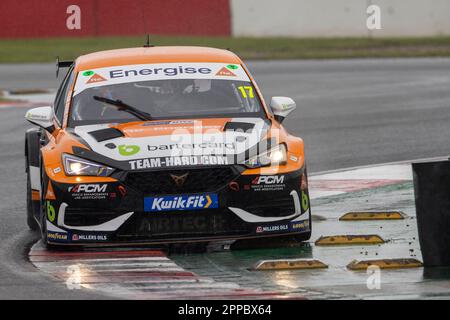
163	145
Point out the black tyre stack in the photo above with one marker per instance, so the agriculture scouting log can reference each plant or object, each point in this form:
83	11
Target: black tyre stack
432	198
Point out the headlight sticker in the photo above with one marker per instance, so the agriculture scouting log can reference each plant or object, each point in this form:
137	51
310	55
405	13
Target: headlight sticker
74	166
275	157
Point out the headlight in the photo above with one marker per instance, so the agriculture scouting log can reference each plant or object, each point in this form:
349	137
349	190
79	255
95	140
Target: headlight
273	157
74	166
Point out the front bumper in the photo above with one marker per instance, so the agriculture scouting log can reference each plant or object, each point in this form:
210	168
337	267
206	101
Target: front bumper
147	207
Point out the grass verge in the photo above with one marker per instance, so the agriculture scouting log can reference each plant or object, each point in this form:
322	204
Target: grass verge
3	99
45	50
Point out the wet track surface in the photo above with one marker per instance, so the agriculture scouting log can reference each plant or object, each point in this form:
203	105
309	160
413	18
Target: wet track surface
229	274
349	113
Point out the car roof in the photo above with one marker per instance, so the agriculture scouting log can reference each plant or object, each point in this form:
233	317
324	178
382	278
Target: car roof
148	55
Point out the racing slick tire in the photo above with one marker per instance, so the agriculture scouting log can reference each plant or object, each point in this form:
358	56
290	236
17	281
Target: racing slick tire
32	224
43	211
32	144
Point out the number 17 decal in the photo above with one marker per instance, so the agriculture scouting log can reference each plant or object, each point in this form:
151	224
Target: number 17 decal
245	89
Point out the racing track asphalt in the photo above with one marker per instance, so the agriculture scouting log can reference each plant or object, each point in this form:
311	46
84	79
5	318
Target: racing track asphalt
350	113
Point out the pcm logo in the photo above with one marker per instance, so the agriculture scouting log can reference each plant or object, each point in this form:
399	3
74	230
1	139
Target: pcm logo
268	180
88	188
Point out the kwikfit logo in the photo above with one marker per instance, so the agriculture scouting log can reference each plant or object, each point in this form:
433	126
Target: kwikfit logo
88	188
183	202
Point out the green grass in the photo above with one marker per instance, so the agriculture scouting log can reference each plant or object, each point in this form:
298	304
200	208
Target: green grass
45	50
3	99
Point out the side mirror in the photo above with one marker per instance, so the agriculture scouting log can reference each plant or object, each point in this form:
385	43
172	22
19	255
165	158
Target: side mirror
281	107
42	117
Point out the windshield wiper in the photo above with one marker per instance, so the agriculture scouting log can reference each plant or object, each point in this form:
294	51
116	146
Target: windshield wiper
122	106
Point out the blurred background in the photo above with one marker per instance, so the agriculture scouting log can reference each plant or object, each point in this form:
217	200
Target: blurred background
38	30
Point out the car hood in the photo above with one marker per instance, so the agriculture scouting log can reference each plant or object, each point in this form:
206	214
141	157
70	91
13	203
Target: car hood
173	138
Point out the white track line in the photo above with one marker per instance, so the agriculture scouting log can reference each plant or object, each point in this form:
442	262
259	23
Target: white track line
320	173
385	172
339	182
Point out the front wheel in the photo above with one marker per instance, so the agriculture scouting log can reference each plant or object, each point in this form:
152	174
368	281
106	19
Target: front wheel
43	208
31	221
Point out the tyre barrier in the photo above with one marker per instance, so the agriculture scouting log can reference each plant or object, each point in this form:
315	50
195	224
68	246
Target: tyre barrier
432	201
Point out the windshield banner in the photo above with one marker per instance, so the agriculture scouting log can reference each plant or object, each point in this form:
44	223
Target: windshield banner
161	71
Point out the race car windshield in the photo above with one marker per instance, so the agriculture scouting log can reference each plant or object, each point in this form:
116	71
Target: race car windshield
168	99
